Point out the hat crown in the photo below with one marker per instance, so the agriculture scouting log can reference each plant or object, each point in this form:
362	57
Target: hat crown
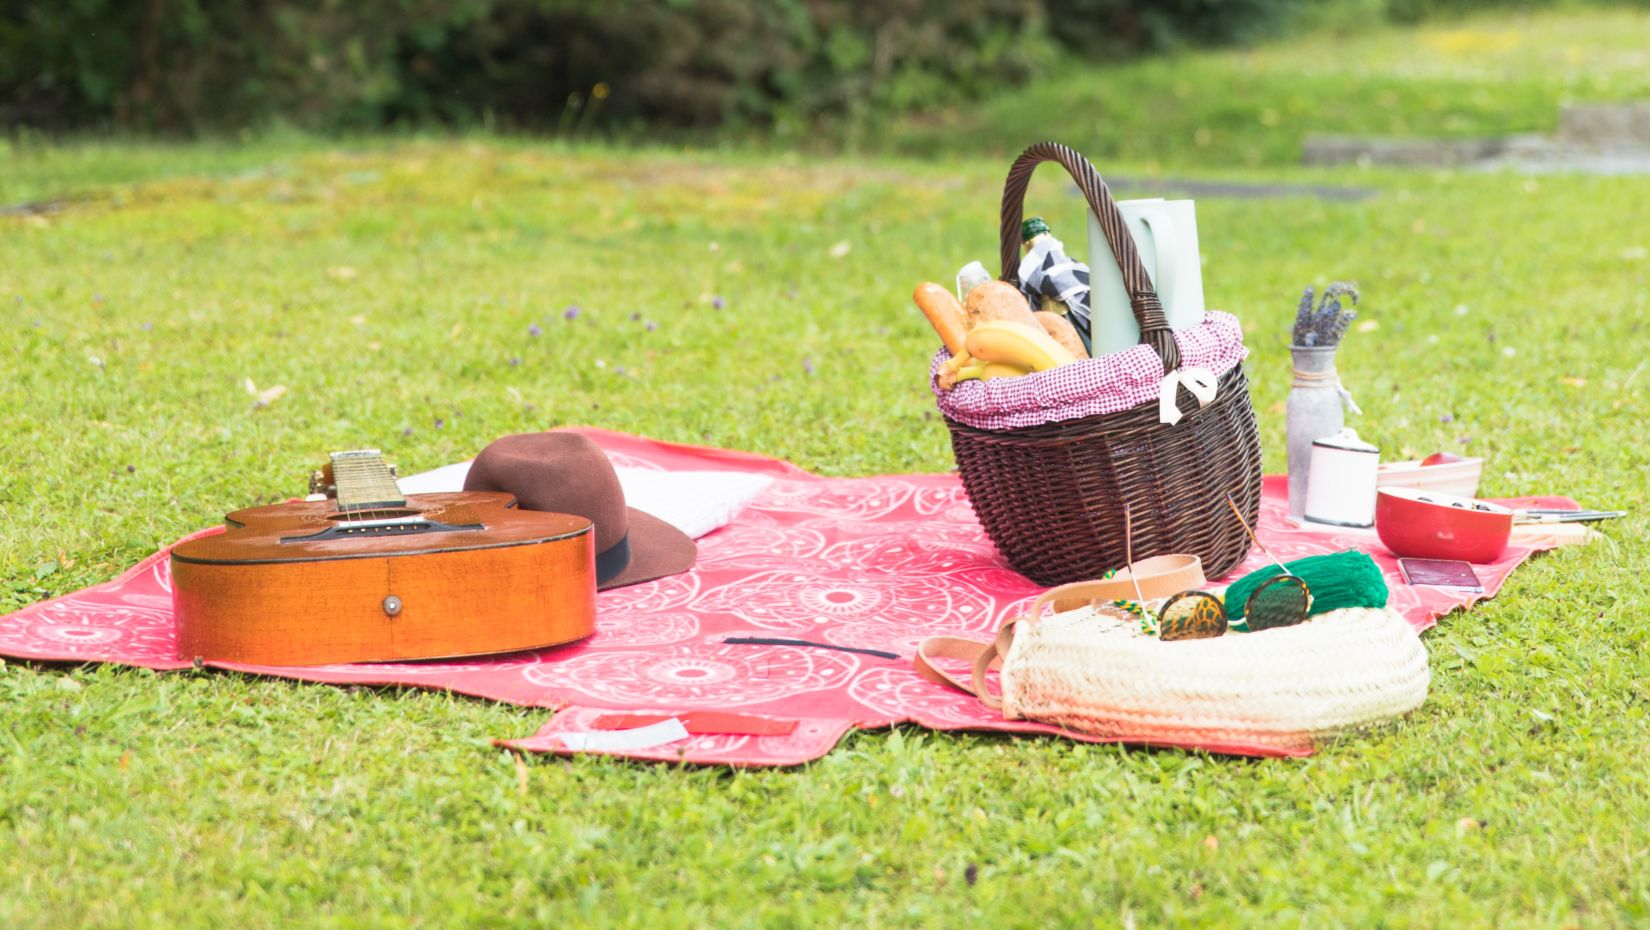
558	472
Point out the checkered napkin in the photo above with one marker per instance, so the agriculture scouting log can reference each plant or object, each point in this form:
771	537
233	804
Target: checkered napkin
1047	272
1091	387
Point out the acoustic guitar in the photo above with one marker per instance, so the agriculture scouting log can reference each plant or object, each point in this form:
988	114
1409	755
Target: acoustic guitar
372	575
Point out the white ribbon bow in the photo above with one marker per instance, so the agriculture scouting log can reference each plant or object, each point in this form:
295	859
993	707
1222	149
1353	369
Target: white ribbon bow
1200	381
1346	397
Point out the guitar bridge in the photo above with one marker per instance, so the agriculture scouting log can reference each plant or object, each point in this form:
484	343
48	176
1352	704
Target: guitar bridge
390	526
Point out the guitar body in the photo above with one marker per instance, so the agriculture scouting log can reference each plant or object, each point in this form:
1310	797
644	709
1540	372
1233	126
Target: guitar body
422	577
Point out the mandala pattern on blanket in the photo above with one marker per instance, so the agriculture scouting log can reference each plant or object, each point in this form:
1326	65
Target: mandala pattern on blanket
848	571
67	630
687	677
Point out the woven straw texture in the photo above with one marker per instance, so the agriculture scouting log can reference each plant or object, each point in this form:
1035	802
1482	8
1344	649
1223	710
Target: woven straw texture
1285	687
1052	497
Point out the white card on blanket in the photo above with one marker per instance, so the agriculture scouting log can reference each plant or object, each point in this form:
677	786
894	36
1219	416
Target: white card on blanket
655	734
695	502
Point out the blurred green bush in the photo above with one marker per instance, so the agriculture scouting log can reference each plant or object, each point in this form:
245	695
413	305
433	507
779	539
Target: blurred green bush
575	66
1413	11
192	65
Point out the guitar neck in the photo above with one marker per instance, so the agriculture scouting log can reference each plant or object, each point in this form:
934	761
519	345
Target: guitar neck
364	482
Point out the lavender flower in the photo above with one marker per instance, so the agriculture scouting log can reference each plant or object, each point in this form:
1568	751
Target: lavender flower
571	313
534	330
1326	325
1303	320
718	303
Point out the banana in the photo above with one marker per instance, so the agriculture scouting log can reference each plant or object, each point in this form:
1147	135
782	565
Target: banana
1017	343
985	371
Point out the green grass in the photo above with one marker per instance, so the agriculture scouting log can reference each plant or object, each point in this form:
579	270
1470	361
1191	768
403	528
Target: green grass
1485	76
389	284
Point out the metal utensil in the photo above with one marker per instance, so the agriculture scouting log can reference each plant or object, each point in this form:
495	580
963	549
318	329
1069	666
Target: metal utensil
1565	516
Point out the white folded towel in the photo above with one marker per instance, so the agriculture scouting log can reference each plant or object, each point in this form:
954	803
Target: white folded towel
695	502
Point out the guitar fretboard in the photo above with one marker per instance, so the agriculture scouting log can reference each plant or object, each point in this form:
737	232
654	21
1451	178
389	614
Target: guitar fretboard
364	482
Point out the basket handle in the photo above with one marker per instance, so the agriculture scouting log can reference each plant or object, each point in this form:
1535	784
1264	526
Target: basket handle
1143	300
1158	576
982	656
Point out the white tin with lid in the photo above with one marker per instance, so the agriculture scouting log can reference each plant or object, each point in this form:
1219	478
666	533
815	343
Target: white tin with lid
1340	485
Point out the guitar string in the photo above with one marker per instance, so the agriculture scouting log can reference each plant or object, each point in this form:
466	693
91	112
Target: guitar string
361	479
370	487
344	475
345	489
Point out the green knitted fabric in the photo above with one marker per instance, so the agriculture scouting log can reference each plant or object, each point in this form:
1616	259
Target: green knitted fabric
1340	579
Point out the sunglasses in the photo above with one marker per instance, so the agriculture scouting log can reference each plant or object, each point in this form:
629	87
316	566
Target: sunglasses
1281	600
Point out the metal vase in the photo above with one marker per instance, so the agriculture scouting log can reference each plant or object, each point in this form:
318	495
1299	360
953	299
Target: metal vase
1315	411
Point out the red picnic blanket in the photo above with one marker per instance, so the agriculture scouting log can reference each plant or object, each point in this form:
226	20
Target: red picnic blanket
853	572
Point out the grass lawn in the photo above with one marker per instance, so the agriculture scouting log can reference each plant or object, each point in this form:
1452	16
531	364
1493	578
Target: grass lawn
1251	107
394	288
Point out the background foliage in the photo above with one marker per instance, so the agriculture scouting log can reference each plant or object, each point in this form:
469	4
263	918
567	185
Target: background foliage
575	66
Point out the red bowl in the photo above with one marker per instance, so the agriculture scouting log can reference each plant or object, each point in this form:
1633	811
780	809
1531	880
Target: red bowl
1419	524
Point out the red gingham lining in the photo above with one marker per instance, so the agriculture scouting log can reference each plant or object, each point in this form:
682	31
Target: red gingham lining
1108	384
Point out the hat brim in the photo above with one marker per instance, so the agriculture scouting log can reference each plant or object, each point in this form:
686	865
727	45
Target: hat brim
657	549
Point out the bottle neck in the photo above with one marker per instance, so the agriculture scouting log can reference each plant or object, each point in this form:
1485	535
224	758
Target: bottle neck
1313	359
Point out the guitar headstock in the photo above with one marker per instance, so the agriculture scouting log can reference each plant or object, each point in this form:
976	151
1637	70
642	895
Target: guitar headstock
321	483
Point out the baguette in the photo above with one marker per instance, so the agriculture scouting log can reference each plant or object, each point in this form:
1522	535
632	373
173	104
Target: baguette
943	313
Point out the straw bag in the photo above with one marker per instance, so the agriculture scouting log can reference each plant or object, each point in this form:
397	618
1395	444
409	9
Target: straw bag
1051	459
1272	691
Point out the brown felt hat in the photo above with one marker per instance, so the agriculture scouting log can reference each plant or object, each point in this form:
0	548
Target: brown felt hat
564	472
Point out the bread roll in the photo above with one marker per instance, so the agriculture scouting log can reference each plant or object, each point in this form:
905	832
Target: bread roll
1062	331
998	300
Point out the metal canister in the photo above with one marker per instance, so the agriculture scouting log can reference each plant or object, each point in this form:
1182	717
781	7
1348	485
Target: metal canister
1340	486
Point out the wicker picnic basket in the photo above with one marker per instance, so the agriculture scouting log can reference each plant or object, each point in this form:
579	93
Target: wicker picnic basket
1051	495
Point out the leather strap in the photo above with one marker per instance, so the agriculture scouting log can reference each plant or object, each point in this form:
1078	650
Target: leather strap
982	656
947	647
1159	577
